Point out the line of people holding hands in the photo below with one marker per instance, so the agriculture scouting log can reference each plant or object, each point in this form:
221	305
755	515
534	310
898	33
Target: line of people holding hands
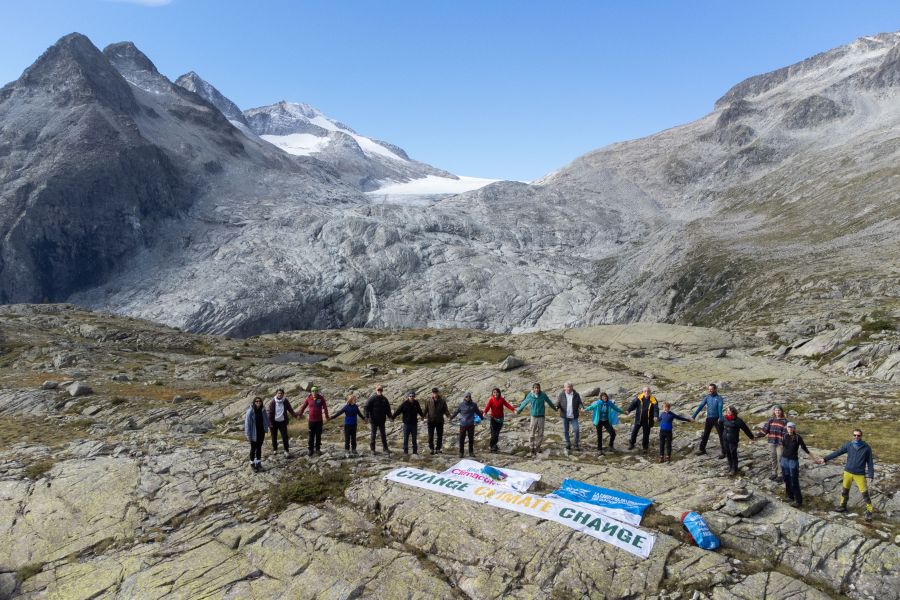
781	435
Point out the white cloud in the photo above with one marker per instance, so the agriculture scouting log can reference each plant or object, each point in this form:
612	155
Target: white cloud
151	3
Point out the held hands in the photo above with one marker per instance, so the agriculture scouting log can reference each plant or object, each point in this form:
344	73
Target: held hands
820	460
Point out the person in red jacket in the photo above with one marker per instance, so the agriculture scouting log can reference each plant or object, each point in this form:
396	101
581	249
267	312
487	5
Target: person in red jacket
494	408
315	402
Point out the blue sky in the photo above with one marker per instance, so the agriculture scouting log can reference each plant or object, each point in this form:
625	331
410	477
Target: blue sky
495	89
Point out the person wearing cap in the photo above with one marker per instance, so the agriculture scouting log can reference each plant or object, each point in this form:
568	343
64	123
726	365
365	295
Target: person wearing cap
467	410
494	408
859	464
774	430
790	463
435	410
318	408
411	411
378	411
536	401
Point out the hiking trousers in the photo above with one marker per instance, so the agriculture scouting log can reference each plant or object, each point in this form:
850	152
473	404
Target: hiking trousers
350	437
707	429
435	428
665	442
537	433
315	436
280	426
376	428
612	434
860	481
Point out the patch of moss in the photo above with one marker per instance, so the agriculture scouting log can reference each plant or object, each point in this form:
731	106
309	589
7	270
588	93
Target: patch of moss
37	469
30	570
307	487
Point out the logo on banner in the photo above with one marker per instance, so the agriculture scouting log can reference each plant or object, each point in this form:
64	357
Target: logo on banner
505	479
614	503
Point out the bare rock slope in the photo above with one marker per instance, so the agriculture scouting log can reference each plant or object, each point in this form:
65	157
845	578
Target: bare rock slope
141	489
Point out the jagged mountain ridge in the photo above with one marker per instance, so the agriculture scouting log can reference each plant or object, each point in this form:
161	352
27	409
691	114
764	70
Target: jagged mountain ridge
775	210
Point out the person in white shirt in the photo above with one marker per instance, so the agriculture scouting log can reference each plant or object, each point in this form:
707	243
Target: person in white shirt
569	404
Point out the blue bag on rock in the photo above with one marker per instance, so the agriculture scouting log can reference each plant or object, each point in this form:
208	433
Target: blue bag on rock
700	531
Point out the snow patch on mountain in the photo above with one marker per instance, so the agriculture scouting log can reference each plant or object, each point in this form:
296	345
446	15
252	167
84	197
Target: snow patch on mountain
432	184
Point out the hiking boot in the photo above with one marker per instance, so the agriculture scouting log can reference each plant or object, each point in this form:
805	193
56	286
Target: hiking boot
431	451
318	453
439	451
631	446
841	509
868	516
287	454
662	459
577	448
774	477
796	504
733	472
721	456
668	459
700	452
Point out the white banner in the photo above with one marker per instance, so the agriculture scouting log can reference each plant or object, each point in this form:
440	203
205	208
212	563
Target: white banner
622	535
501	479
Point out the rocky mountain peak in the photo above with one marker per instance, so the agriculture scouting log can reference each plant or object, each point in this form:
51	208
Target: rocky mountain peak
74	71
126	57
193	82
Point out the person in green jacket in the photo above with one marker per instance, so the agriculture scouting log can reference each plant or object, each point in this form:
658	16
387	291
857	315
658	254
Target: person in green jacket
536	401
606	416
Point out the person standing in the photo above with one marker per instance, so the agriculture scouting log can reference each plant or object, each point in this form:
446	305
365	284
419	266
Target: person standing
606	416
536	401
790	464
435	410
774	430
732	427
256	424
569	404
859	464
467	410
378	411
647	407
494	408
411	410
667	420
351	413
279	409
318	408
715	408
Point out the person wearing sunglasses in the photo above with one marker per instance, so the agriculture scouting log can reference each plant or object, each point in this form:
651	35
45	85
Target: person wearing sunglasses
859	464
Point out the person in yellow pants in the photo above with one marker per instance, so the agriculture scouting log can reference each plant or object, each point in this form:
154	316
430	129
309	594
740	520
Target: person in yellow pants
859	465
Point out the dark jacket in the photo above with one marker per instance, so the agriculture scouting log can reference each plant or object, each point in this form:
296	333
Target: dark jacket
667	420
732	430
411	410
350	412
467	410
859	458
288	410
648	409
378	409
791	445
562	404
435	409
252	422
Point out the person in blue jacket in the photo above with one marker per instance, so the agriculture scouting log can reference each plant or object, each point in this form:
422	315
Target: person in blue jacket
351	412
715	416
859	464
606	416
667	420
536	401
256	424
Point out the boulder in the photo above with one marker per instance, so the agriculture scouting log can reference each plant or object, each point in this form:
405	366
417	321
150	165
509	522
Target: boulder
49	385
511	362
121	377
889	370
79	388
826	342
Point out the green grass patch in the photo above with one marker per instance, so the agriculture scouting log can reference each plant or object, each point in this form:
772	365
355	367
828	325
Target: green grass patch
30	570
307	487
38	469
